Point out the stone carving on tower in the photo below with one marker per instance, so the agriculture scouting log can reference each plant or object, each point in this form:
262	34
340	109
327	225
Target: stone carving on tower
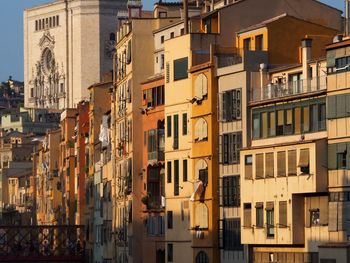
48	81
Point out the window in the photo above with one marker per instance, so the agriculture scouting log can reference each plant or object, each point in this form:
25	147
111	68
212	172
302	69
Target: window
314	217
170	252
259	44
231	145
247	214
269	164
169	171
292	162
256	126
304	161
112	37
282	214
341	160
259	209
259	166
270	220
162	61
203	176
306	119
176	132
180	68
169	219
280	122
272	123
176	177
168	121
153	97
281	163
202	257
184	124
184	171
36	25
246	44
163	14
248	159
232	234
231	105
57	20
182	31
231	191
322	116
172	35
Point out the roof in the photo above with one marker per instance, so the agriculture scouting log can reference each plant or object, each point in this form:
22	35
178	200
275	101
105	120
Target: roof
263	23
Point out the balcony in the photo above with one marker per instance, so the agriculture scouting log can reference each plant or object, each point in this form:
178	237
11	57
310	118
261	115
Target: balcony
154	202
226	60
156	156
273	91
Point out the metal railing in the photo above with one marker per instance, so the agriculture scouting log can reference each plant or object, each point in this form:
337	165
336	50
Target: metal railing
280	90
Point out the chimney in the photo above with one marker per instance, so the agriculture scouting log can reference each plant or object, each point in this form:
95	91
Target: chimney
185	7
306	45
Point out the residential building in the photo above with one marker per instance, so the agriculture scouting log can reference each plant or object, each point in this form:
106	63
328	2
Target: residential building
99	104
334	248
81	136
16	200
68	45
67	161
284	164
36	121
134	60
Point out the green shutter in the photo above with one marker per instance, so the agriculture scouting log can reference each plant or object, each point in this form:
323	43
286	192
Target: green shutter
332	156
180	68
341	106
331	107
168	121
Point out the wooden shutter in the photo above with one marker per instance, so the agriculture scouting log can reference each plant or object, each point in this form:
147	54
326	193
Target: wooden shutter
201	216
297	120
264	127
220	149
341	216
307	212
269	206
333	217
259	166
198	87
180	68
198	130
167	72
304	158
248	170
220	107
282	213
269	164
247	215
281	163
331	107
332	156
324	210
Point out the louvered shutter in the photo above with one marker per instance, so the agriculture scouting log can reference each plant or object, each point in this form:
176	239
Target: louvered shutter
259	166
281	163
332	156
282	213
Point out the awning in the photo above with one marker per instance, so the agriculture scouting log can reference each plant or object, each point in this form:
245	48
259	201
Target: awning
269	205
304	158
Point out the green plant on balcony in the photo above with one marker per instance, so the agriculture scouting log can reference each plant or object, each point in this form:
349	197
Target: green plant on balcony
70	144
145	199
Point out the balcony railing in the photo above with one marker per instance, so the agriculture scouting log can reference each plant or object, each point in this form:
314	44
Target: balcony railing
291	88
154	202
226	60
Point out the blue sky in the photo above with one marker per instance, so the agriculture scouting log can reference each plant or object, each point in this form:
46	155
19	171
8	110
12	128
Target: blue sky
11	30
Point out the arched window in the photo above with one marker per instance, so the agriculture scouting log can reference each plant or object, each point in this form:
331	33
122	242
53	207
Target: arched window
201	130
112	36
201	87
202	257
202	171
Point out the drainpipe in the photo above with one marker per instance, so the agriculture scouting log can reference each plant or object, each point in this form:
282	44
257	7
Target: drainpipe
347	17
306	45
